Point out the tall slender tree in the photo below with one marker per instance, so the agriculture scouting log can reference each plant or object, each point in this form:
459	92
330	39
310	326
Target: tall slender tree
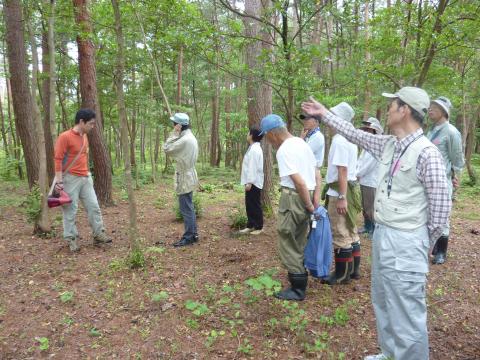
21	96
88	90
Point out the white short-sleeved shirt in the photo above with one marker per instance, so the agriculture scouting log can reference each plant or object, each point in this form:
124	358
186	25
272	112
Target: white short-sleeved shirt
317	144
367	169
294	156
252	166
342	153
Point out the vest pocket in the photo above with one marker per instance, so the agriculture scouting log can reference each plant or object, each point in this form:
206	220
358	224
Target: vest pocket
397	206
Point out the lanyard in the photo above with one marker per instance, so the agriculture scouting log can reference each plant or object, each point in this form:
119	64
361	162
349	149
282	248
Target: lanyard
394	166
311	133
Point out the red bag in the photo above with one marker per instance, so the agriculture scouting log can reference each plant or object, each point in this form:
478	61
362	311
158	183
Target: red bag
58	198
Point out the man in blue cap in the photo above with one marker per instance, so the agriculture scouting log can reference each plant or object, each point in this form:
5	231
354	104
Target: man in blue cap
182	146
300	183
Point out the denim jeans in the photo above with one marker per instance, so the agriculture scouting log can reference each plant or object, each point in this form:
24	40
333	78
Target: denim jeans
188	212
80	188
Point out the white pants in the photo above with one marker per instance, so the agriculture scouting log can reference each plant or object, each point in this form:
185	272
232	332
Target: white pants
399	268
80	188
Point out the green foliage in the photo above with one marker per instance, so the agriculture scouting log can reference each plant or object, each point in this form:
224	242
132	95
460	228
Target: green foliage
212	337
161	296
66	296
44	343
32	205
245	347
94	332
265	283
197	204
135	258
197	308
238	218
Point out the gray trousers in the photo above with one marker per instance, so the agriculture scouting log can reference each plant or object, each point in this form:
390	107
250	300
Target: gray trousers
80	188
188	212
399	268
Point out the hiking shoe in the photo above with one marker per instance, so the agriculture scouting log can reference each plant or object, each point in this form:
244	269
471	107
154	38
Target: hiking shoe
375	357
256	232
72	244
185	241
246	231
101	238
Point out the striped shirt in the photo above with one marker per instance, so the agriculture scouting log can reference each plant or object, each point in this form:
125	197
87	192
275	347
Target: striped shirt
430	168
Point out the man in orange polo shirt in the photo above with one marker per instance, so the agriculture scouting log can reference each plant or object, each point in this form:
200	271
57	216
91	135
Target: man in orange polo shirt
77	181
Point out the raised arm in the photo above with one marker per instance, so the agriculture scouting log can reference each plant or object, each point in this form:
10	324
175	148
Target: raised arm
372	143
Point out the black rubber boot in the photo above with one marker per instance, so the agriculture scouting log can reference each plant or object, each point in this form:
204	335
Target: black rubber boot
298	287
185	241
343	268
440	250
356	261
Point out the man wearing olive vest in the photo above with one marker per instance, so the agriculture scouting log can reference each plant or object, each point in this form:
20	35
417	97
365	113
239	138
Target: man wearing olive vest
449	141
412	206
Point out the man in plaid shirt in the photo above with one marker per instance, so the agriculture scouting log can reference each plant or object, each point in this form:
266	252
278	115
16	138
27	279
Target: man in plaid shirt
412	206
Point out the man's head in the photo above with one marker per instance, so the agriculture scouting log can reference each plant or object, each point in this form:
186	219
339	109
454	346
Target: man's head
372	125
180	118
254	135
409	104
85	120
309	123
343	111
440	109
274	130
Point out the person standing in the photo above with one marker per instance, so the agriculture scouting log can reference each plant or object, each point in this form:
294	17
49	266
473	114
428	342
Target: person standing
314	138
252	180
412	205
367	169
300	183
449	141
343	202
73	177
182	146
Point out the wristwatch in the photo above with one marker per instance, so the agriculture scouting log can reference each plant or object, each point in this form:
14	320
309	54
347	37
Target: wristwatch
341	197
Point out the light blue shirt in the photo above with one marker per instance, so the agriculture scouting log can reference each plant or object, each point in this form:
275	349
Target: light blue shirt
317	144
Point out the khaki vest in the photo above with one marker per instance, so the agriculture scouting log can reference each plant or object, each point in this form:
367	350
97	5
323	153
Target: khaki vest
407	206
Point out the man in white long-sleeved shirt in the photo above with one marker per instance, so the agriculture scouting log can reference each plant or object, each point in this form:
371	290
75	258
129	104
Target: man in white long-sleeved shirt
367	170
252	179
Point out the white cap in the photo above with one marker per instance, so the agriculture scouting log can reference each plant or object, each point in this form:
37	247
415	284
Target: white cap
414	97
180	118
373	123
444	103
343	111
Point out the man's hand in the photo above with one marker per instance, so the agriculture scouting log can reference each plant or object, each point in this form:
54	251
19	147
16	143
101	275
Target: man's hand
313	108
177	129
310	208
342	207
304	133
58	186
455	182
248	187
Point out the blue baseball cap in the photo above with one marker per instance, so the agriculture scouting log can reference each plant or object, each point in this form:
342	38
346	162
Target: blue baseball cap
270	122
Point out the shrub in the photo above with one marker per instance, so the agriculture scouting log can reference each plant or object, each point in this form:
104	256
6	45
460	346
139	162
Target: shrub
32	205
238	219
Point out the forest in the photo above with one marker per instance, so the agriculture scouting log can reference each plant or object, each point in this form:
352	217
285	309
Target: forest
226	63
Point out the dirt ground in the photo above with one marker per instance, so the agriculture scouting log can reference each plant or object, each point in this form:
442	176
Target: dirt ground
207	301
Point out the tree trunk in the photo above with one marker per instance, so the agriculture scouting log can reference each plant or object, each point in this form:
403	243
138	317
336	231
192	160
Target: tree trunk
432	43
259	95
228	110
4	131
21	96
41	225
88	90
122	112
179	76
214	129
368	95
48	86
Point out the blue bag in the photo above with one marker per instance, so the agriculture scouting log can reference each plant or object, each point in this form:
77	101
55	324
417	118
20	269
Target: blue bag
318	252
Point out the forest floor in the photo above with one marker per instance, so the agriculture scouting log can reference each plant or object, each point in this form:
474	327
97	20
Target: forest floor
207	301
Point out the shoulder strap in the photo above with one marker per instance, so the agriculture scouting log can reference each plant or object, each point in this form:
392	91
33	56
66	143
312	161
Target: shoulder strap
76	156
69	166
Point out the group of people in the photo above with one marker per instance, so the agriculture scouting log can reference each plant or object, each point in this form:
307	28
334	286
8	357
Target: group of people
406	184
